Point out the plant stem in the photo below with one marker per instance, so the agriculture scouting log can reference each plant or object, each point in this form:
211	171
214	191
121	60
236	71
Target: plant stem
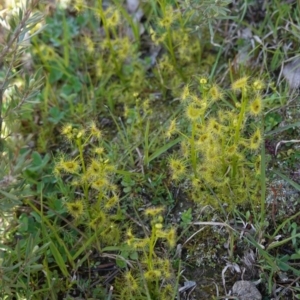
263	176
193	150
238	129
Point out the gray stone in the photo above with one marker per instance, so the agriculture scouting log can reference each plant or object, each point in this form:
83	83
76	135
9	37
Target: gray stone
291	73
246	290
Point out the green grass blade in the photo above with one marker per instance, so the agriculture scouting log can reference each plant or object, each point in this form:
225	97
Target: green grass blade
59	260
280	243
263	177
279	227
288	180
146	143
54	232
164	149
281	129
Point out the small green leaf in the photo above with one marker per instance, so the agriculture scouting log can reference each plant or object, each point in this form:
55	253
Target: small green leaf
295	256
127	189
23	223
121	263
134	255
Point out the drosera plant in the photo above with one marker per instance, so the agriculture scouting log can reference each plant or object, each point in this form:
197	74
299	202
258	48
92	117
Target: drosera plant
241	159
221	162
92	208
87	216
219	154
92	180
155	275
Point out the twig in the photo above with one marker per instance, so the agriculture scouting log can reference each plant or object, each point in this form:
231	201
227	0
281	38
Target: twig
284	142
